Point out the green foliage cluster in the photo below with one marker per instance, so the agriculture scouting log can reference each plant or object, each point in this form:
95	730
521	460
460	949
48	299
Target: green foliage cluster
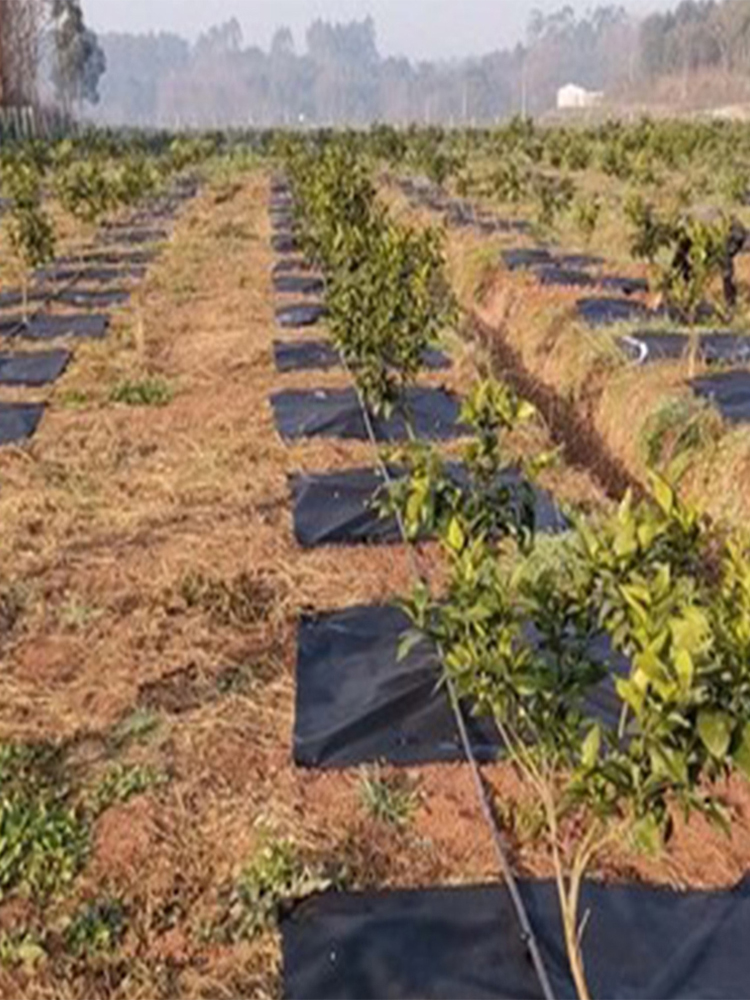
652	601
387	295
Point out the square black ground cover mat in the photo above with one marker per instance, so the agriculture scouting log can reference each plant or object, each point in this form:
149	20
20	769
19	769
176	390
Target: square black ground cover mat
298	284
38	368
45	327
285	243
606	311
93	298
713	347
135	237
640	943
91	275
338	508
357	702
18	421
336	413
729	392
300	314
309	355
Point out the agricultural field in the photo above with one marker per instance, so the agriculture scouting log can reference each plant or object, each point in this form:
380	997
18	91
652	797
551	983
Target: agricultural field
374	588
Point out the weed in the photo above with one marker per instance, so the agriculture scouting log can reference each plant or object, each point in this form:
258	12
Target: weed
389	799
675	431
12	604
276	877
96	929
76	614
73	399
136	727
151	391
121	783
21	947
44	840
247	599
525	819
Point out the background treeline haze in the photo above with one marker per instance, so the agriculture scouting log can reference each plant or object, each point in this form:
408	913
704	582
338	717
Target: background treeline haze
699	53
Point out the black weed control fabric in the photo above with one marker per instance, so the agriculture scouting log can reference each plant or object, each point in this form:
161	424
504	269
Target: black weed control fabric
39	368
336	508
289	265
90	275
310	355
113	258
299	315
729	392
552	274
337	413
285	243
18	421
604	311
135	237
714	348
358	702
48	327
439	944
298	284
91	298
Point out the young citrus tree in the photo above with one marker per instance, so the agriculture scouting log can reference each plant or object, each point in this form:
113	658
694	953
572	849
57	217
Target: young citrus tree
30	229
649	604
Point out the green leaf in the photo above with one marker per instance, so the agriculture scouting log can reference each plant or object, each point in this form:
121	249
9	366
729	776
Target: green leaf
591	747
408	641
663	494
455	538
741	755
715	730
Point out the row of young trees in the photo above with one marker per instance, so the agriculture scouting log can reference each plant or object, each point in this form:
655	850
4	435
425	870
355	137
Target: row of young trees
89	178
645	611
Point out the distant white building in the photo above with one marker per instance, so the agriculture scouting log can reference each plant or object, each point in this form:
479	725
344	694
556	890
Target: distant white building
573	96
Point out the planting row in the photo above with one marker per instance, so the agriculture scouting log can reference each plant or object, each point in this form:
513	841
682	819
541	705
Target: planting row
603	660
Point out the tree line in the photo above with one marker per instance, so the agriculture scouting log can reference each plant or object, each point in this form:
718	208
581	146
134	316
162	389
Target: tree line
340	78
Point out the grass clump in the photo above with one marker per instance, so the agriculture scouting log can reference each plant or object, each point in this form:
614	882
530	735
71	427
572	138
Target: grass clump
276	877
151	391
676	431
96	929
44	835
246	599
391	799
121	783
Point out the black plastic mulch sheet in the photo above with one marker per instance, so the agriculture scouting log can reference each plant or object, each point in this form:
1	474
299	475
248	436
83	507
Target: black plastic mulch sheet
43	327
520	259
311	355
93	298
135	237
729	392
298	284
714	347
18	421
433	415
300	314
338	508
285	243
113	258
39	368
553	274
606	311
290	265
358	702
91	275
624	284
640	943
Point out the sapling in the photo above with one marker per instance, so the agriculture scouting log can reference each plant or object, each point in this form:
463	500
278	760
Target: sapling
85	192
530	640
30	229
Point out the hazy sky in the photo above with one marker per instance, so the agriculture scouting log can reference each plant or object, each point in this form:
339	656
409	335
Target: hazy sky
420	29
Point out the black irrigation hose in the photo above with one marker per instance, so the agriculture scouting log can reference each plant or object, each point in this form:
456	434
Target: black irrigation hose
528	937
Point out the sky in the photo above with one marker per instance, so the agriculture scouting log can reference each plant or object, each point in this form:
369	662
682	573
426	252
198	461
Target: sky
419	29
